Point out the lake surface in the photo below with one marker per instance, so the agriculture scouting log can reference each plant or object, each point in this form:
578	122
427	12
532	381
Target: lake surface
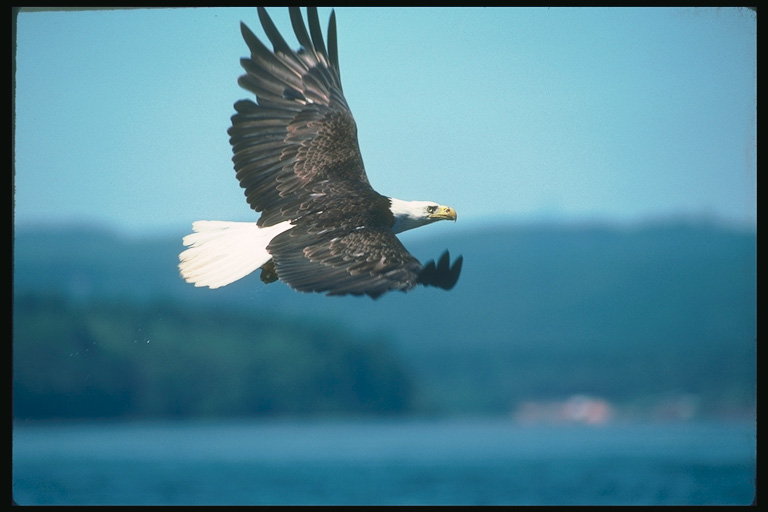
478	462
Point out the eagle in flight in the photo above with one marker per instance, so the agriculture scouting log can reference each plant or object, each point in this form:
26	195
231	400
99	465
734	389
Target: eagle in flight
322	228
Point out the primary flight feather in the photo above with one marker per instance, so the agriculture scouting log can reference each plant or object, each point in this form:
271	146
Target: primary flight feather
322	228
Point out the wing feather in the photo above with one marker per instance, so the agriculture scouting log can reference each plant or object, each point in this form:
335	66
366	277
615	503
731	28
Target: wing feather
299	135
360	262
314	30
273	34
297	22
333	51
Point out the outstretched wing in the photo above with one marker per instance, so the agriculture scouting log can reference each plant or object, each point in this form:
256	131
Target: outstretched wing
443	275
296	147
361	262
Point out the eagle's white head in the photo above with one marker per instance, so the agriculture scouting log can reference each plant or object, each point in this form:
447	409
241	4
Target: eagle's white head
412	214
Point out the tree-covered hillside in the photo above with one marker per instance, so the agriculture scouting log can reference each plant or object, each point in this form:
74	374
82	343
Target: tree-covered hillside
635	315
160	360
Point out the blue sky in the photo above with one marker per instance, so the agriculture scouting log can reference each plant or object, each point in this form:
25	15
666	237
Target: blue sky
506	114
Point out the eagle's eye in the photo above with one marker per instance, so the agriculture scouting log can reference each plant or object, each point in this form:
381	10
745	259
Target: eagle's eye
431	209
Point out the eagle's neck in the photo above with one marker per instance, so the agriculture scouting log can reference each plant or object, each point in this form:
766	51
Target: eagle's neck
408	214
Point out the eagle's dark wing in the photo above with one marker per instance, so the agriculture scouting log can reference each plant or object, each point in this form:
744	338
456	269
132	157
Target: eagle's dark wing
443	275
297	157
296	147
366	261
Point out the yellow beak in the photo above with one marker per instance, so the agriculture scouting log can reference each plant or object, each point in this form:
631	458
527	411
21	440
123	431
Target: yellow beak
444	213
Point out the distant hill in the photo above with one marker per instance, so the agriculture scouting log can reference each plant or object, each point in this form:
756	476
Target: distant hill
541	312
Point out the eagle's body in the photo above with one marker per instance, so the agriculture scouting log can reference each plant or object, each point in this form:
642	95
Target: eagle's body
323	228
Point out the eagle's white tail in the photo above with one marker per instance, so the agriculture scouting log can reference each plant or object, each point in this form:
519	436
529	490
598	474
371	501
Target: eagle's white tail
222	252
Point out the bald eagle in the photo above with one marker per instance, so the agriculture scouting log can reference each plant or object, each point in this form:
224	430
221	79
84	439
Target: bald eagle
322	228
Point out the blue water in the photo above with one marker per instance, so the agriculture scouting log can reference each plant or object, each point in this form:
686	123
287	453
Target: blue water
483	462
